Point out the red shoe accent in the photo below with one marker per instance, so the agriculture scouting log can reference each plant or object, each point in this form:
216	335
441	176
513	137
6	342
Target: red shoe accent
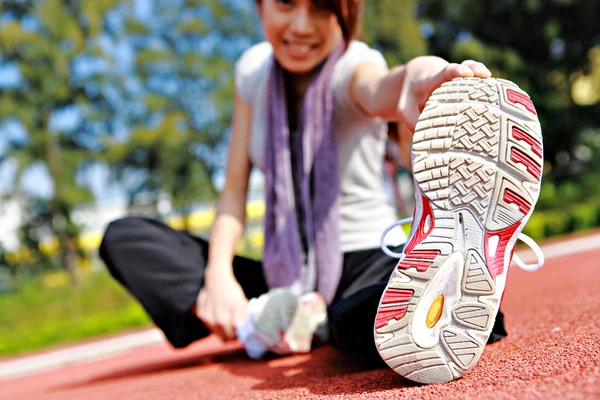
420	234
533	167
421	266
384	315
420	259
512	197
423	254
397	296
495	263
536	146
519	98
282	338
424	259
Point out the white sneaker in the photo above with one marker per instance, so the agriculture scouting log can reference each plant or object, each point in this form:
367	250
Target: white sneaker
477	164
281	322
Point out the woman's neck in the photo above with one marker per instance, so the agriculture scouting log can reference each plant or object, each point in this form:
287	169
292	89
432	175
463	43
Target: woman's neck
296	86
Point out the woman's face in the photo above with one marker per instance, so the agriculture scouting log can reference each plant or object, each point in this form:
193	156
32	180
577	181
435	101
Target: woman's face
302	32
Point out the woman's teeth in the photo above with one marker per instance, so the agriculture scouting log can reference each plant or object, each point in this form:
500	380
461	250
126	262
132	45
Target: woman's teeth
299	47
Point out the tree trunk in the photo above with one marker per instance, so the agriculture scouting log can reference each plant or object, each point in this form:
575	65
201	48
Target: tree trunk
14	276
68	254
187	213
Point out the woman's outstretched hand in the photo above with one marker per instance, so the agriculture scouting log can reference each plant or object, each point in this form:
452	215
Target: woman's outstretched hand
423	76
222	305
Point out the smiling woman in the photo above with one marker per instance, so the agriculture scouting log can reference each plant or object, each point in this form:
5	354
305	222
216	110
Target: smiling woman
304	32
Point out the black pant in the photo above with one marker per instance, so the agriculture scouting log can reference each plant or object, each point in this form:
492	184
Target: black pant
164	269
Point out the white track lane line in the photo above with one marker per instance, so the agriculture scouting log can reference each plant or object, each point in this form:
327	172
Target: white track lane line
564	248
79	353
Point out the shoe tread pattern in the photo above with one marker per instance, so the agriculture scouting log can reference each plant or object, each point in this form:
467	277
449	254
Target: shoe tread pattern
463	156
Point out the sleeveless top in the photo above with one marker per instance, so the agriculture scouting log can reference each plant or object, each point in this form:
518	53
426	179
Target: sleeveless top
365	209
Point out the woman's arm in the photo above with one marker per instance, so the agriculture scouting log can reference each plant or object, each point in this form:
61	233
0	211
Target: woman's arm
400	93
377	89
221	303
231	207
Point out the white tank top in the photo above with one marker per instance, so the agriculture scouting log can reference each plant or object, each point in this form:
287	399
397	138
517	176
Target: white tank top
365	209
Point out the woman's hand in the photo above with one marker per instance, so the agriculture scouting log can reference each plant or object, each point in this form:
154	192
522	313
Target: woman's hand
221	304
423	76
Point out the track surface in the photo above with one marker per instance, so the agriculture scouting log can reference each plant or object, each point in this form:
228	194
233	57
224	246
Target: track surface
552	352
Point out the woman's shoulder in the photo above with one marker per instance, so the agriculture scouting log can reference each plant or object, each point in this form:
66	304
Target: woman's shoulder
358	46
252	68
358	52
254	57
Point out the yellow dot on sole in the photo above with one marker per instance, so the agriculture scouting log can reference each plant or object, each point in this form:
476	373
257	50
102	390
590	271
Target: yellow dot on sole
435	311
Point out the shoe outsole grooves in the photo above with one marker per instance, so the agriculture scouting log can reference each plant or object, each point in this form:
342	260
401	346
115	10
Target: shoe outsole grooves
477	165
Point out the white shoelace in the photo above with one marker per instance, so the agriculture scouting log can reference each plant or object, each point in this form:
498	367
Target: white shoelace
524	238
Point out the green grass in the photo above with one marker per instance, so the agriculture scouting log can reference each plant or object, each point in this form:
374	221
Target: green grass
35	316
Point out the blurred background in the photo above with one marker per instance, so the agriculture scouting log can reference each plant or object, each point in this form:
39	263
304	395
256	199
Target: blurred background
116	107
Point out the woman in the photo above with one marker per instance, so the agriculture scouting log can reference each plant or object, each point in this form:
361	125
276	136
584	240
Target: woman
311	109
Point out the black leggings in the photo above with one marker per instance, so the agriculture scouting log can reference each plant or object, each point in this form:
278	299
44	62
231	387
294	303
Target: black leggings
164	269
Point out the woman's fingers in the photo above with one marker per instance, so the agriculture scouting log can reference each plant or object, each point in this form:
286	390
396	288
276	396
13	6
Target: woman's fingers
466	69
206	312
478	68
219	331
201	305
454	70
228	329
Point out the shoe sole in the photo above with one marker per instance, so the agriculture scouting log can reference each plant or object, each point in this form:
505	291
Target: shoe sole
477	166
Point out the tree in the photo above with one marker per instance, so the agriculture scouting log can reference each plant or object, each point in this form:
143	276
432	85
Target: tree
546	47
393	27
184	71
47	40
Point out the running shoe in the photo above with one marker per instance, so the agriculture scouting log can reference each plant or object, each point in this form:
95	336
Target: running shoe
283	323
477	166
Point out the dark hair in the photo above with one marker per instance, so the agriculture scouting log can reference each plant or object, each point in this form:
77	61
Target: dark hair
349	14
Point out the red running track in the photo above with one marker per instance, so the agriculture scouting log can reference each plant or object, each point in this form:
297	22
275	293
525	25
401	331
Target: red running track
552	352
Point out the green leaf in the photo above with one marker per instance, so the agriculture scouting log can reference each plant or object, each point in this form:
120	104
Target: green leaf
154	56
156	102
135	27
12	35
193	27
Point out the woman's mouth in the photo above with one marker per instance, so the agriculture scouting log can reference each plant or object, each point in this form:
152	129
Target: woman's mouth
298	50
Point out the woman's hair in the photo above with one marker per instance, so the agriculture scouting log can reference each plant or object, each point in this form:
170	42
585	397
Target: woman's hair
349	14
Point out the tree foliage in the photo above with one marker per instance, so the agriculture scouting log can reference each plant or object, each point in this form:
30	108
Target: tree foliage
43	40
185	78
393	27
549	48
143	88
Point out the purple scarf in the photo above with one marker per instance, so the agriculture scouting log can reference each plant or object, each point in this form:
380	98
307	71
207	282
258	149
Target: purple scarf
282	259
